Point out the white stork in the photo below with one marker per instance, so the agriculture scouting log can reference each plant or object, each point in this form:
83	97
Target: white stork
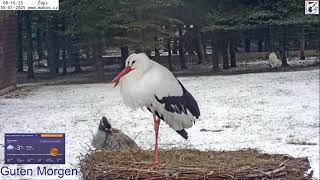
274	61
146	83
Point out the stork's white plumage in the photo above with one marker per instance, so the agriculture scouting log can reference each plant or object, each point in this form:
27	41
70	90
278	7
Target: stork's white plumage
145	83
274	61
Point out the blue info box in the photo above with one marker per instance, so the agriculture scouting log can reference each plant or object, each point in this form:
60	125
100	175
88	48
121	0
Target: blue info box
34	148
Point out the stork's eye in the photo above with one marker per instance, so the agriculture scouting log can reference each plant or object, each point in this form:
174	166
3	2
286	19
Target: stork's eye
133	62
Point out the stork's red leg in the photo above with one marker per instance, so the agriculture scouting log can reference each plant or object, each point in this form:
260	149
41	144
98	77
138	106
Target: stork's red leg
156	125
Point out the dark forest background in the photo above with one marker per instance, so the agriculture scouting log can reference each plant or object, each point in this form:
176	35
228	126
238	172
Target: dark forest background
84	32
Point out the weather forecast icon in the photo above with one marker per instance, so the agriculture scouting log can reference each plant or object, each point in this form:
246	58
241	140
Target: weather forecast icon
10	147
311	7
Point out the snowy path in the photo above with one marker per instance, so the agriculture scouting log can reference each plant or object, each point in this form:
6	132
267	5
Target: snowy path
272	112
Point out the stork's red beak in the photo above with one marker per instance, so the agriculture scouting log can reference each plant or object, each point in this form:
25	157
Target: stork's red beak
121	74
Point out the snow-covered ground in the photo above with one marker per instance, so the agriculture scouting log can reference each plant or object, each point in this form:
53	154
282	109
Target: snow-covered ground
274	112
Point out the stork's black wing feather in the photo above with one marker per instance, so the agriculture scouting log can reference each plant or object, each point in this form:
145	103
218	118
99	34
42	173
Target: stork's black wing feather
191	103
180	104
182	132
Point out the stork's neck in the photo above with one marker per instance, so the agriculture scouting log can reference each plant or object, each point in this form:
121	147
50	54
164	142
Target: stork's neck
132	86
138	73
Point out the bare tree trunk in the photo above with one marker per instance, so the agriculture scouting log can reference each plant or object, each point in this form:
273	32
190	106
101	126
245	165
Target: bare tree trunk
175	46
124	55
233	53
215	59
87	52
260	45
64	60
19	41
99	66
205	52
169	55
302	42
284	44
266	44
39	45
247	45
224	45
156	50
157	54
64	49
51	53
181	51
29	45
200	50
271	40
57	56
76	56
204	47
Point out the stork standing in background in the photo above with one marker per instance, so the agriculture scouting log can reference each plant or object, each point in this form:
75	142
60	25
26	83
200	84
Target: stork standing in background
145	83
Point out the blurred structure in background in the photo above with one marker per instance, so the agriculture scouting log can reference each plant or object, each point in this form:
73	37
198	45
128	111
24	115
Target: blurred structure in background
7	51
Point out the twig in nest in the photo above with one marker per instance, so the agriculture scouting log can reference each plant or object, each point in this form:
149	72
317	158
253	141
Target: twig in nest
274	171
284	162
137	135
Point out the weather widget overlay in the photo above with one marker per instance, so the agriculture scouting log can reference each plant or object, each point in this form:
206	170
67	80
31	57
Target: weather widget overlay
38	148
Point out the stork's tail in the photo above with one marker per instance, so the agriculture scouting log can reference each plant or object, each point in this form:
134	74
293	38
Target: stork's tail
183	133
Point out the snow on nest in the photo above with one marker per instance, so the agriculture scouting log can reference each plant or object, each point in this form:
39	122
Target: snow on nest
273	112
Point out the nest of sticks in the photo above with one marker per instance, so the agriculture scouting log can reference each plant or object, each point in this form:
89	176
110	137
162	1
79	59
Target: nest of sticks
192	164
